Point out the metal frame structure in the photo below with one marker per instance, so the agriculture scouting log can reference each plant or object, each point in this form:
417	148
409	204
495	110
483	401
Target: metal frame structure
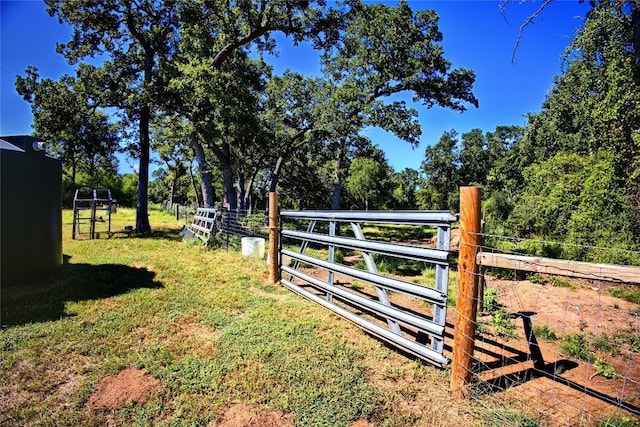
86	202
204	222
418	334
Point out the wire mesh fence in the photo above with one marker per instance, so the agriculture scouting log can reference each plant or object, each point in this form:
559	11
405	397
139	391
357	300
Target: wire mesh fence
230	225
563	348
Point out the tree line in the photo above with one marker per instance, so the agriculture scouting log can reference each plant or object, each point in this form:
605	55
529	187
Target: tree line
189	80
572	174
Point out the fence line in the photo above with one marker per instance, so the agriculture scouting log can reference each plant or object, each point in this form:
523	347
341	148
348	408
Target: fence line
558	339
559	350
229	226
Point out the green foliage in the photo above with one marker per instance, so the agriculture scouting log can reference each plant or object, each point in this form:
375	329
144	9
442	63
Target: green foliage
535	278
576	345
502	324
129	193
603	343
605	369
573	197
490	300
627	293
618	420
571	176
561	283
544	332
367	181
628	338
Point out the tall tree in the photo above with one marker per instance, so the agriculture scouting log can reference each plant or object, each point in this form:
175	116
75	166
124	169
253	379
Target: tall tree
404	185
385	51
441	166
368	181
213	34
136	39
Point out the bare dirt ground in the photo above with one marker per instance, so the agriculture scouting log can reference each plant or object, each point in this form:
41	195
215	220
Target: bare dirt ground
575	393
129	385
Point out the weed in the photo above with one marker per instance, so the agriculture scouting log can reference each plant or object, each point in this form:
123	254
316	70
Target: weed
618	420
357	286
577	346
544	332
560	283
627	293
629	338
360	265
503	273
395	372
536	278
603	343
490	300
502	324
605	369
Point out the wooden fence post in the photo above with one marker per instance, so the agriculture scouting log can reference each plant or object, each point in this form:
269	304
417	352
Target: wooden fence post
466	305
274	264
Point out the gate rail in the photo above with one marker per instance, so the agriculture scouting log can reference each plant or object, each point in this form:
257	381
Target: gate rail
417	333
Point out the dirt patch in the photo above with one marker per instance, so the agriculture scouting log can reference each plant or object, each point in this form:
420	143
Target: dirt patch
241	415
130	385
361	423
585	308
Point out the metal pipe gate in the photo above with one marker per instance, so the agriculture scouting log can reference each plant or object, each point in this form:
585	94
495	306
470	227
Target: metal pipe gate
419	334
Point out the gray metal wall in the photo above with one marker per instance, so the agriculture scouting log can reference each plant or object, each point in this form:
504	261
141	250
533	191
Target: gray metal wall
30	210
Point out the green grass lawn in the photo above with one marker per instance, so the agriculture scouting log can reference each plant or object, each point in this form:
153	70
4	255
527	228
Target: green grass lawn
210	327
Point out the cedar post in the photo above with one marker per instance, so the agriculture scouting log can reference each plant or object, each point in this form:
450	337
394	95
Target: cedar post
466	306
274	259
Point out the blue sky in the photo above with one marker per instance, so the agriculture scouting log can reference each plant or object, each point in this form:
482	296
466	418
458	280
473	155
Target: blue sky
476	36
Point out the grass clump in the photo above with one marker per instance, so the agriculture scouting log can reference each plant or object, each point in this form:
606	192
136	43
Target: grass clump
627	293
544	332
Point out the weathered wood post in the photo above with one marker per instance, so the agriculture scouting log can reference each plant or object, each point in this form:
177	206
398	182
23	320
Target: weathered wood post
466	305
274	263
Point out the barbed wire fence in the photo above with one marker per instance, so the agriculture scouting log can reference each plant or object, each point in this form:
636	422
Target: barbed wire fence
556	341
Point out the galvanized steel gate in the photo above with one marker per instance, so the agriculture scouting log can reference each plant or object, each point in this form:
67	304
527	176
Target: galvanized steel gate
416	333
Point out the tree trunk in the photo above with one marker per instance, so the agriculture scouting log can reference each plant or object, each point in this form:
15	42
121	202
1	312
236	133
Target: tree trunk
142	206
208	195
228	188
223	154
249	190
174	182
273	185
240	192
193	184
337	182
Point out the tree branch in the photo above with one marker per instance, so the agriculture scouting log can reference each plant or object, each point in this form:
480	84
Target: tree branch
526	23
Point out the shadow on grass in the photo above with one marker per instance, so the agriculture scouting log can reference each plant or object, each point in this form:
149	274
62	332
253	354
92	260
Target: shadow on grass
171	234
43	299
